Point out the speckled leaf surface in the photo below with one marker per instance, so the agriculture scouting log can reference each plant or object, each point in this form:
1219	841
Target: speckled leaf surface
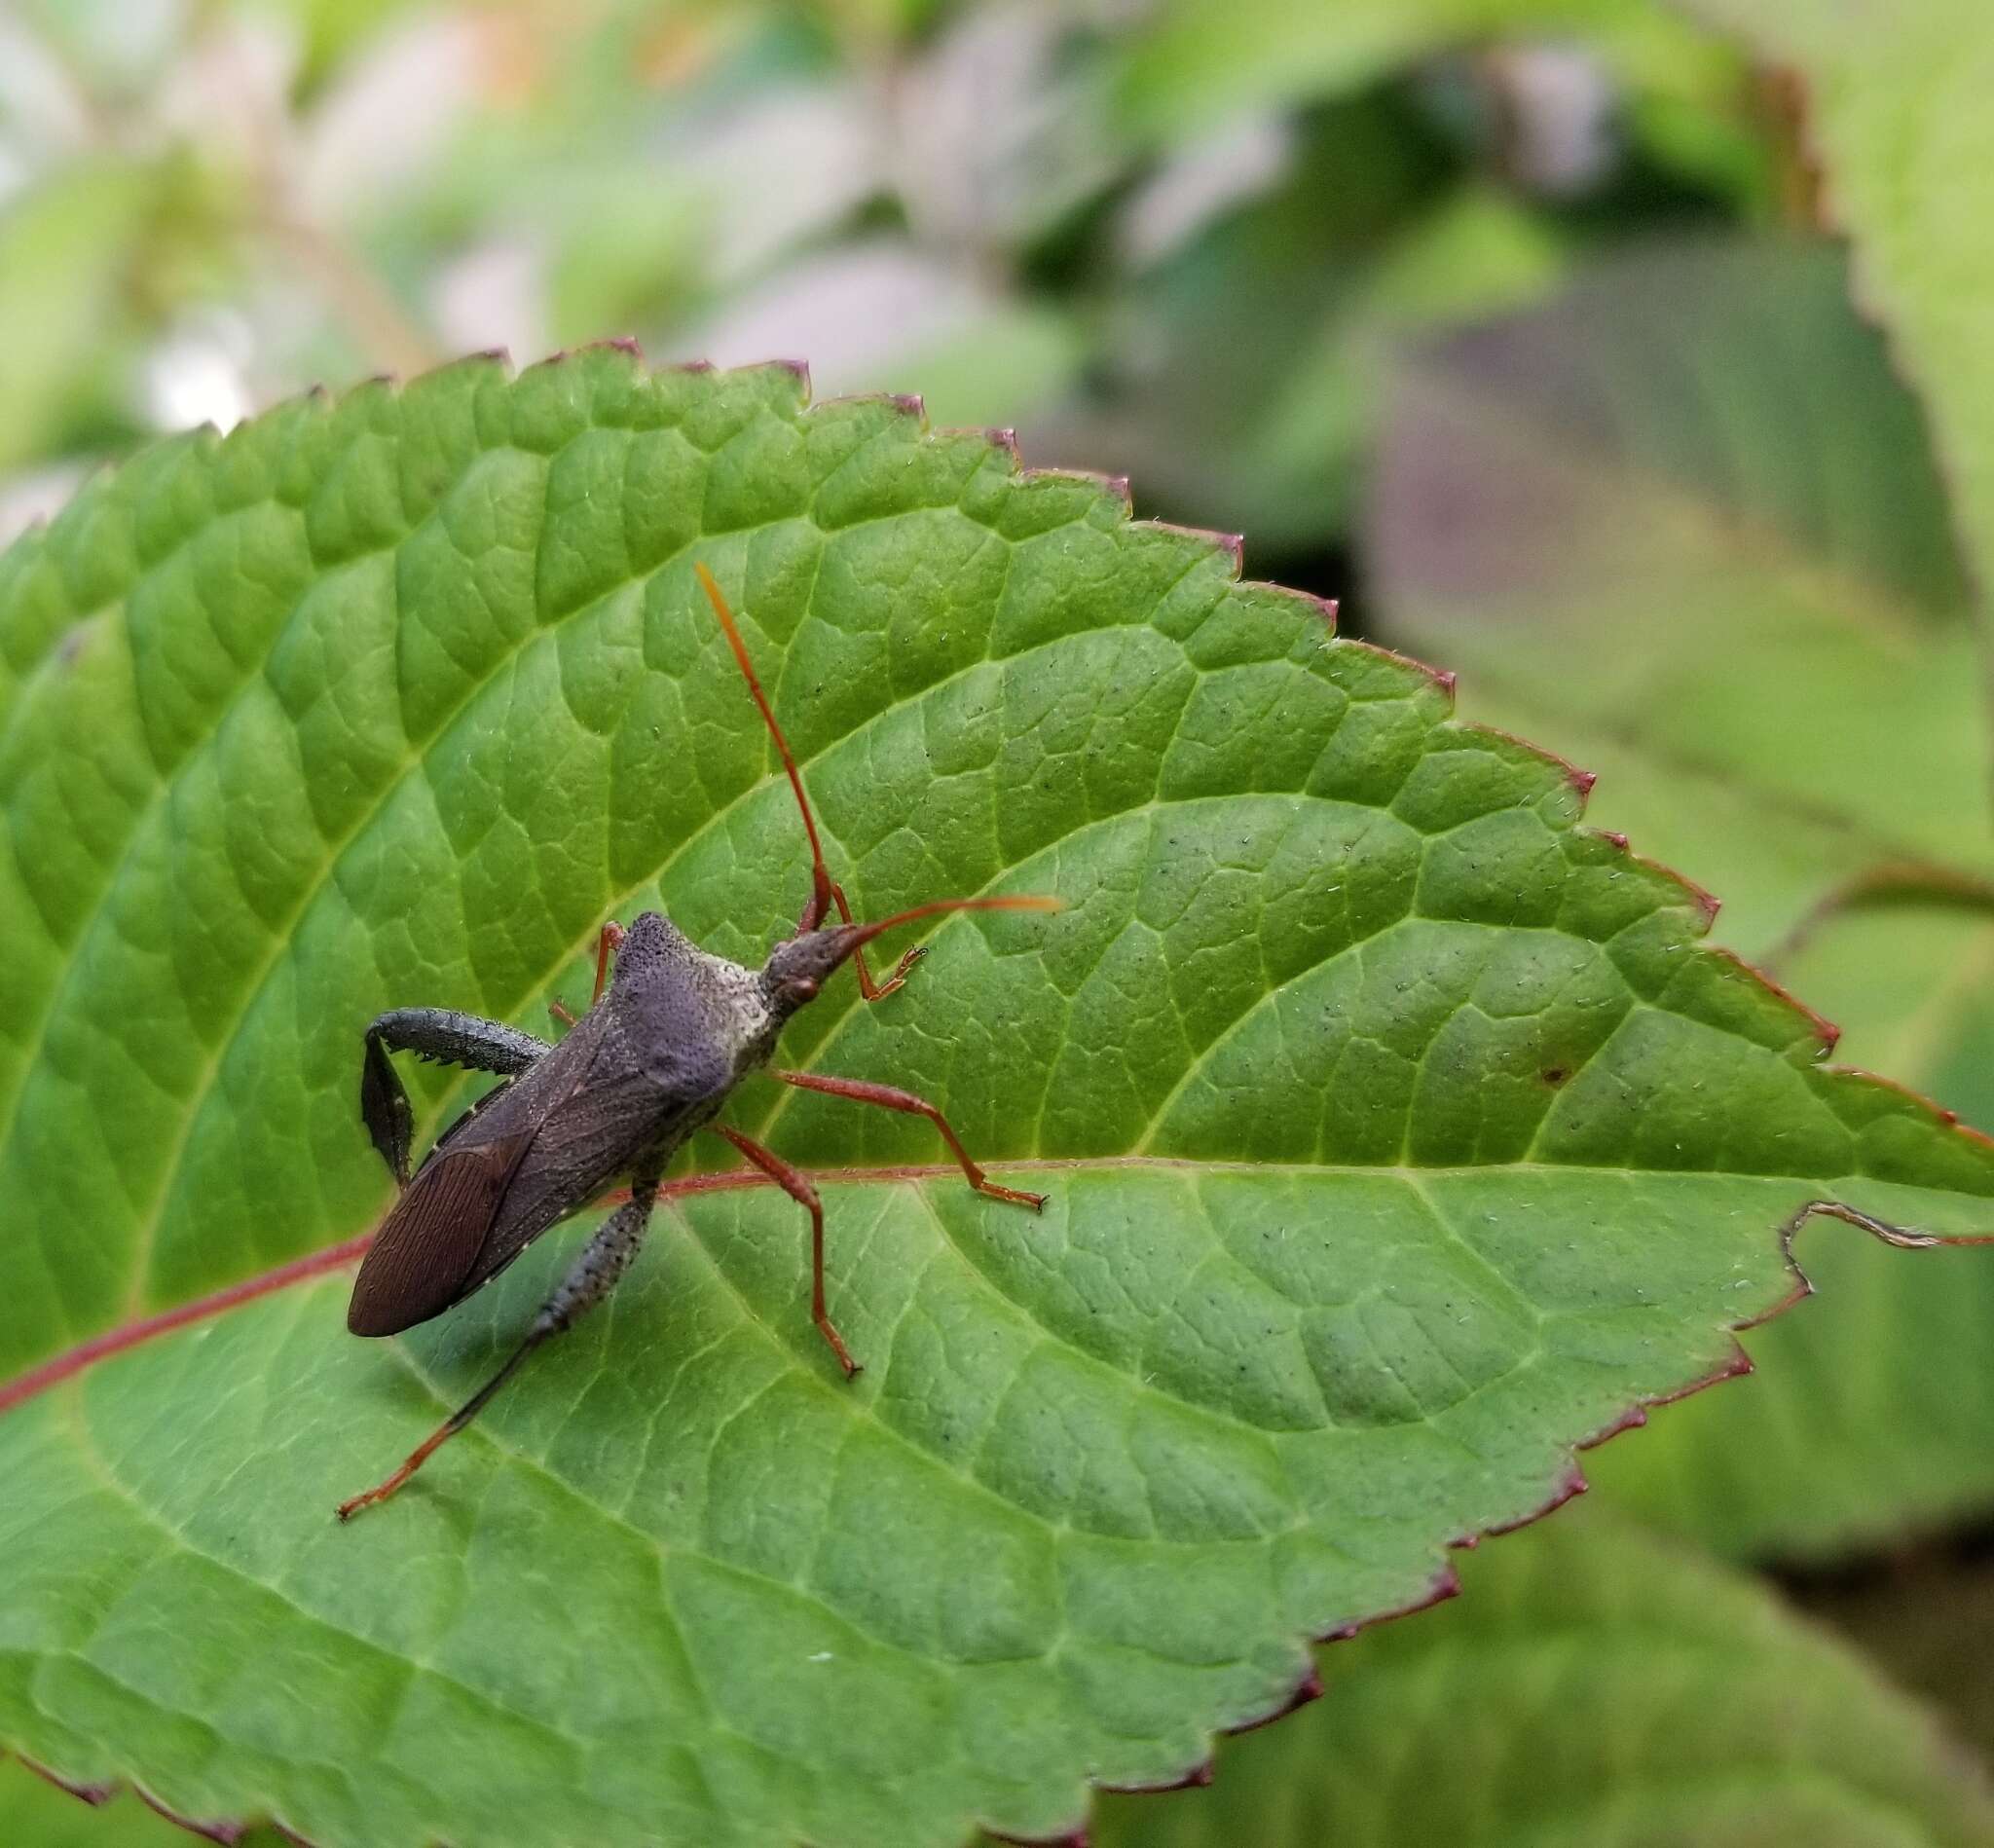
1595	1688
1400	1132
1685	520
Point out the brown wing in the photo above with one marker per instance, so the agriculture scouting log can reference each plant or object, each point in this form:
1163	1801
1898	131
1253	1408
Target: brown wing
423	1256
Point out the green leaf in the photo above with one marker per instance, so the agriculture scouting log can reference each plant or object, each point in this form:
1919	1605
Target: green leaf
1596	1686
1895	109
1400	1132
1685	520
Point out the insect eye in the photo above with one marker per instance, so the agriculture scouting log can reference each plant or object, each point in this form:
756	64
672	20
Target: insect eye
804	989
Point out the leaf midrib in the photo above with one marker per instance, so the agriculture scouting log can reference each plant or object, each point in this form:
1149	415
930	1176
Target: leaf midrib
1414	1175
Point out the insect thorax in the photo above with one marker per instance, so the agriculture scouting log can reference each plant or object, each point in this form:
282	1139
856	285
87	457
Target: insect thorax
682	998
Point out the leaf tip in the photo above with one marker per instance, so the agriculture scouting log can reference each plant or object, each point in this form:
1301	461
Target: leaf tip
1710	905
1195	1778
1442	680
1571	1484
1308	1688
1736	1364
228	1835
1443	1585
1631	1419
95	1794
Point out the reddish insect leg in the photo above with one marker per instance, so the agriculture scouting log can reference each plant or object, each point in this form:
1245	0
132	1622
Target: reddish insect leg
794	1182
887	1098
607	945
870	990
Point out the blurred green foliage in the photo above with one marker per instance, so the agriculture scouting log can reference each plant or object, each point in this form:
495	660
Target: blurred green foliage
1517	323
1177	241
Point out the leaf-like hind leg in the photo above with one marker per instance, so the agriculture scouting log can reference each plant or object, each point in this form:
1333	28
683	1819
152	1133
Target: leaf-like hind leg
890	1097
591	1277
432	1033
796	1184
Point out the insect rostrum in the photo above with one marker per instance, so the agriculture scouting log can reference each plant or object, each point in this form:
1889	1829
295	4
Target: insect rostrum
655	1060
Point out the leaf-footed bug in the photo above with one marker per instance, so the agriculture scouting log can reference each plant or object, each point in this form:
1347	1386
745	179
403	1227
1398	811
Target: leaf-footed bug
663	1045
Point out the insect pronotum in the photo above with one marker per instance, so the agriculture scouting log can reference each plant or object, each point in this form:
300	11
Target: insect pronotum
663	1044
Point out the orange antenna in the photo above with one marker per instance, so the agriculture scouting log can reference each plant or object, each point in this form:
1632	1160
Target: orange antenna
853	934
820	873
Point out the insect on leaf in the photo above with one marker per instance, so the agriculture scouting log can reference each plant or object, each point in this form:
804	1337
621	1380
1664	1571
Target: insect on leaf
1399	1133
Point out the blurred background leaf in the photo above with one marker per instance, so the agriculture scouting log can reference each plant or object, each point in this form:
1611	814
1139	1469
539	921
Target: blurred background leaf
1685	520
1891	108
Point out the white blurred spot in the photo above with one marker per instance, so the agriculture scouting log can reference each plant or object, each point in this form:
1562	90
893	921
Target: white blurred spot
493	295
997	131
1559	105
198	373
389	117
230	93
777	171
844	311
39	100
36	494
